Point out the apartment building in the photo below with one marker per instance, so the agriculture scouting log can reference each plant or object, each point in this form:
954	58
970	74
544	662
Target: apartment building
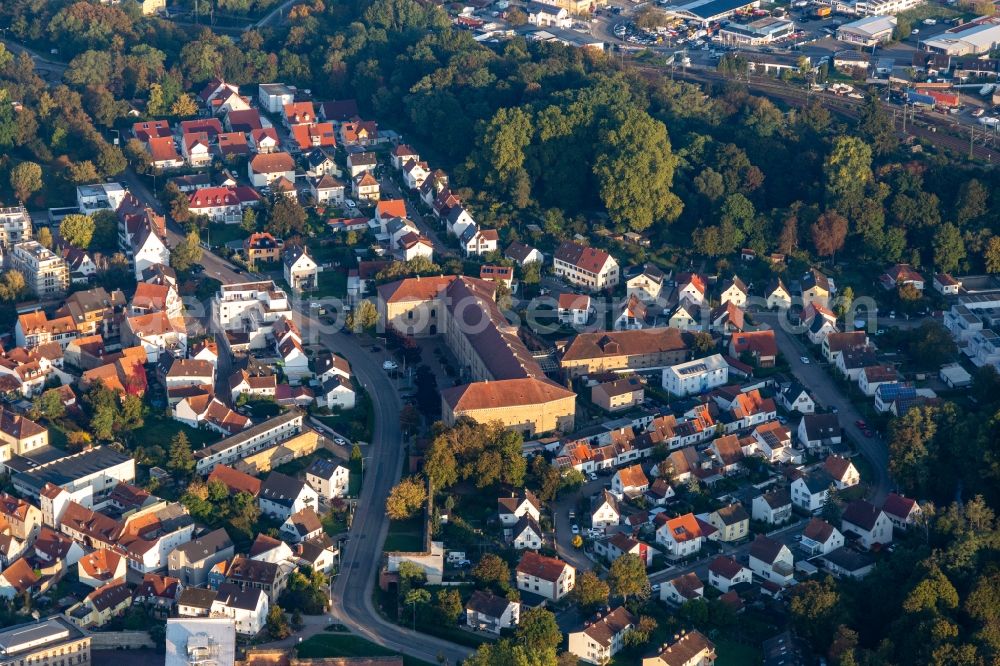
15	226
249	310
44	271
611	351
586	267
696	376
53	640
250	441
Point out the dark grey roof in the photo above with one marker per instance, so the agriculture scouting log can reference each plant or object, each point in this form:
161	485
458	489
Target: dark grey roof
231	595
487	603
849	559
862	513
281	488
821	426
197	597
206	545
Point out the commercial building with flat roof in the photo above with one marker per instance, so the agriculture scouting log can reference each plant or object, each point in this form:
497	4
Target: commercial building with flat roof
976	38
762	31
85	475
709	11
200	641
868	31
38	642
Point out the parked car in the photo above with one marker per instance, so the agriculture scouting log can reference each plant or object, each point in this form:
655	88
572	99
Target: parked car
804	359
575	529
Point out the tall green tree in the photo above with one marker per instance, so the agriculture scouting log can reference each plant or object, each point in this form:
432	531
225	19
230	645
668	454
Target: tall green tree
77	230
635	170
627	577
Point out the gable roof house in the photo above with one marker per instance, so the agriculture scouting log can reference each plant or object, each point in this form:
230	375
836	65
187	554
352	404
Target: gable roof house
777	295
732	522
820	538
190	562
691	649
795	398
760	346
264	169
163	153
815	287
629	481
772	560
301	270
523	254
683	536
586	267
724	572
811	490
485	611
513	508
282	495
842	471
526	534
604	511
867	524
819	431
902	511
645	283
774	507
684	588
841	342
601	639
548	577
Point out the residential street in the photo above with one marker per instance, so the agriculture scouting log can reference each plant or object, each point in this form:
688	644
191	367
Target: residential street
361	558
215	266
786	535
827	394
392	191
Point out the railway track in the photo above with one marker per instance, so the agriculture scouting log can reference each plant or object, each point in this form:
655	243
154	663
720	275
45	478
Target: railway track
938	134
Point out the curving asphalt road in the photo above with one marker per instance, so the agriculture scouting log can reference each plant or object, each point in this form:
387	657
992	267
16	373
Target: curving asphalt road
361	557
828	394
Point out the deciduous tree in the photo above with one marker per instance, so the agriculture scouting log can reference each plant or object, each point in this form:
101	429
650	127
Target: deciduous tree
26	179
829	232
77	230
406	499
627	577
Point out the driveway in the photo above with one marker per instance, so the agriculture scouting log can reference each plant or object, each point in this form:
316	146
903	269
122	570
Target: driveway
816	379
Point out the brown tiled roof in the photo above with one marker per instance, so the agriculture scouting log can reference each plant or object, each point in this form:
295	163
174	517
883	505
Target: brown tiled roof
838	341
606	628
765	548
19	575
684	528
110	595
235	480
156	585
569	301
162	149
688	585
272	163
762	343
187	367
539	566
633	477
504	393
818	530
686	650
898	506
729	449
101	564
733	514
837	466
777	498
725	566
585	258
861	513
17	426
511	503
625	343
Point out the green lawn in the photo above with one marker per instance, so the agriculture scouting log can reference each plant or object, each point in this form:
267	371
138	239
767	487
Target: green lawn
346	645
225	233
731	653
332	282
160	430
405	535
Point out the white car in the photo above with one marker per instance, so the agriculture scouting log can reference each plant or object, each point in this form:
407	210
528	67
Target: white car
340	440
389	365
351	204
575	529
314	305
804	359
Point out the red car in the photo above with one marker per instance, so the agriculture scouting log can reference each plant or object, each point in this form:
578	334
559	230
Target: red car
861	424
868	433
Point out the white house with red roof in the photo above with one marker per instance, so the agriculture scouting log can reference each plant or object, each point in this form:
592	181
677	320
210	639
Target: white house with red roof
196	148
574	309
683	536
724	572
223	204
588	267
691	287
900	275
867	523
902	511
547	577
